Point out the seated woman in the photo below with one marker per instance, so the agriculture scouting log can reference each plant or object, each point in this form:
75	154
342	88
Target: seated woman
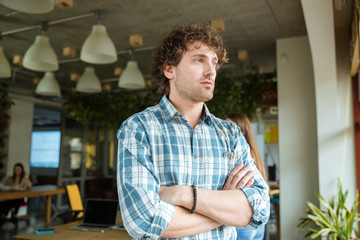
18	181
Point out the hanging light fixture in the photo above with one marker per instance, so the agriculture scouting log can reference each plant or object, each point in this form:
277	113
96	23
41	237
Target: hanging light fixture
29	6
48	86
88	82
98	48
5	70
40	56
131	77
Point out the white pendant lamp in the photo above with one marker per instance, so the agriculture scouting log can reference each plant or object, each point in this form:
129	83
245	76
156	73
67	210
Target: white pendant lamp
48	86
88	82
5	70
30	6
98	48
131	78
40	56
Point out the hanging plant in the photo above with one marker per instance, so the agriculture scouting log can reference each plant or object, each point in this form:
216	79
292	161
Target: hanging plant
108	110
243	94
5	105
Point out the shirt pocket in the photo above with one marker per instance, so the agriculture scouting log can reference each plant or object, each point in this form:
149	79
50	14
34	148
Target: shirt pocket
229	157
216	164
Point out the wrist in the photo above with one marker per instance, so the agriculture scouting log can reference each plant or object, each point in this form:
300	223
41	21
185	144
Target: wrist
186	199
194	187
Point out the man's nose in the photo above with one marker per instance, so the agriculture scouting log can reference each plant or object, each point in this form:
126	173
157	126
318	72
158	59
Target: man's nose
210	69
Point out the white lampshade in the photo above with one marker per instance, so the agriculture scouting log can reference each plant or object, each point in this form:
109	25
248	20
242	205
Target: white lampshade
132	78
5	70
48	86
89	82
30	6
40	56
98	48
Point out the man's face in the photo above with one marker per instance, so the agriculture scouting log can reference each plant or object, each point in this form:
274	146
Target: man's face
193	79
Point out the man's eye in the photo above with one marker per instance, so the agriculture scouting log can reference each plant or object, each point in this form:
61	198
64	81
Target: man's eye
199	60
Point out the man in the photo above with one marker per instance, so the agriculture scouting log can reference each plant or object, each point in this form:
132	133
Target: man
179	167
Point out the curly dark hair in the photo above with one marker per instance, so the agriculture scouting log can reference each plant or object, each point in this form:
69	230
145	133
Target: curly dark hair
172	48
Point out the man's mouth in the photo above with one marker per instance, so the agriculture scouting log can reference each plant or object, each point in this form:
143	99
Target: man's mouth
207	83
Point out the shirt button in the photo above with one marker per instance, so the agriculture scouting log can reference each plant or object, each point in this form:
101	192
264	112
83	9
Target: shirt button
196	156
224	154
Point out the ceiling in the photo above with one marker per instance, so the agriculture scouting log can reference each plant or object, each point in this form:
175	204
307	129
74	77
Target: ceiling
249	25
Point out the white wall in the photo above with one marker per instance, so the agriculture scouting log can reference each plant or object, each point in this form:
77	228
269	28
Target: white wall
20	134
346	162
333	98
315	107
297	132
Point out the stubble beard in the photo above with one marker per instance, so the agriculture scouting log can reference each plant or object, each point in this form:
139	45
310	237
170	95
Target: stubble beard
195	94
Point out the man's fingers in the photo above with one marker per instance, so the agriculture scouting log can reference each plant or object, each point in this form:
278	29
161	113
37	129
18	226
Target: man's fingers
250	182
245	180
239	177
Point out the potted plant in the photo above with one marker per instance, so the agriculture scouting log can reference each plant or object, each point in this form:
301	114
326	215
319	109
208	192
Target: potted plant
334	220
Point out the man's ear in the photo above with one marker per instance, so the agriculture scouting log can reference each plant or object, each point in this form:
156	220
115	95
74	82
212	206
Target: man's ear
169	71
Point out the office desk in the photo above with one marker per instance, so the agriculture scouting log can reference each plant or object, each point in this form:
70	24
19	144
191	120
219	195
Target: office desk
63	232
36	191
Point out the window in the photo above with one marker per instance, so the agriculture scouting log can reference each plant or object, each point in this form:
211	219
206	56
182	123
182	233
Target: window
45	149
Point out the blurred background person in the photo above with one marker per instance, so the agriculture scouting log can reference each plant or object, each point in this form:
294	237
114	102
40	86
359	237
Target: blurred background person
19	181
4	187
244	123
19	178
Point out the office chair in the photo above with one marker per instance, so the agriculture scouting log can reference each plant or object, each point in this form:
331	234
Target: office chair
76	205
75	200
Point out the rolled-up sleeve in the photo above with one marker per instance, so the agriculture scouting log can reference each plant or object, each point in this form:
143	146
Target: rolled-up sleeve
258	194
144	214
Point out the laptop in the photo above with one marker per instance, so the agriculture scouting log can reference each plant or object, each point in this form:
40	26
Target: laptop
99	216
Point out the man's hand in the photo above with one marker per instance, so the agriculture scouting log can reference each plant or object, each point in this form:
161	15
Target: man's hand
239	177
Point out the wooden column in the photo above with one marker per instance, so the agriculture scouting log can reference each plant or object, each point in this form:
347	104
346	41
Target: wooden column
356	109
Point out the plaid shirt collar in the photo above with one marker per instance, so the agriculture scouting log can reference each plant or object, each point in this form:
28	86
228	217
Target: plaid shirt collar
169	111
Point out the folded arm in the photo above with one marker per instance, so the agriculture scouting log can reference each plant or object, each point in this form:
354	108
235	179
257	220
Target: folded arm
184	223
226	207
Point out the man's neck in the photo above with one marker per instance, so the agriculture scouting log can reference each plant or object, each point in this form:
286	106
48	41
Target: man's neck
190	109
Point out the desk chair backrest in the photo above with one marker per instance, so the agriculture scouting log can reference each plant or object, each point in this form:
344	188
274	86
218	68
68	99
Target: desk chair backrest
75	200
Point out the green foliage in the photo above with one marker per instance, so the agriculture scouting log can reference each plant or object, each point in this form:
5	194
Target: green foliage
107	110
5	105
5	102
239	93
336	221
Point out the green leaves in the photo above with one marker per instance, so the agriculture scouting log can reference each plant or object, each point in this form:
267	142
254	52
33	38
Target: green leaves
239	93
5	102
108	110
232	94
335	220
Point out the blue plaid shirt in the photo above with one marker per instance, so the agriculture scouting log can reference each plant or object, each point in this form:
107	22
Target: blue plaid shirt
158	147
